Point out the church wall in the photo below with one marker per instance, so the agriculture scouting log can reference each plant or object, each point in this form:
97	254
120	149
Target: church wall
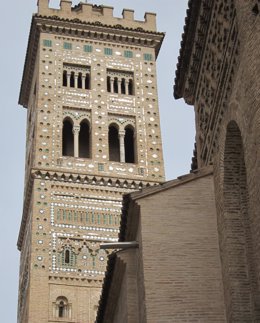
180	250
225	92
243	109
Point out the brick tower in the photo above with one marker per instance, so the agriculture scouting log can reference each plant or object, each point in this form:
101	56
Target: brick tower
93	134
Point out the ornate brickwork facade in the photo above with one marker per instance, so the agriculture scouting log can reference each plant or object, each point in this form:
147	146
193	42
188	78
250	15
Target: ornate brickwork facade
93	134
222	82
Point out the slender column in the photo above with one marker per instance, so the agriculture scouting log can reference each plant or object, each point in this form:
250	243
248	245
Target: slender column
76	80
119	81
68	79
126	87
83	81
112	85
121	135
76	130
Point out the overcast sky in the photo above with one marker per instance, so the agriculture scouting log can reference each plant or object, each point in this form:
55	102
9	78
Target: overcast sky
177	119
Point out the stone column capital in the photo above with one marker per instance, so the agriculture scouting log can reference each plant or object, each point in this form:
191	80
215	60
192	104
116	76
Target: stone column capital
121	133
76	130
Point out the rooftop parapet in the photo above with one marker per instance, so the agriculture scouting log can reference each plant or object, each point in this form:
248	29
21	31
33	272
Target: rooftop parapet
92	13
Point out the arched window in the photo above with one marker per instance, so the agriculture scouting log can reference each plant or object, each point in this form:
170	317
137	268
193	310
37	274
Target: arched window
62	308
72	79
67	138
108	84
116	85
131	87
114	148
129	145
87	81
84	140
123	86
80	81
64	79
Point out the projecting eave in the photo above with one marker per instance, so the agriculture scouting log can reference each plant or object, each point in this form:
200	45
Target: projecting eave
87	30
192	49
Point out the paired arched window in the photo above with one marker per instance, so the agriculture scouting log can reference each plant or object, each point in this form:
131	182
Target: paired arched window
76	140
113	142
67	138
121	144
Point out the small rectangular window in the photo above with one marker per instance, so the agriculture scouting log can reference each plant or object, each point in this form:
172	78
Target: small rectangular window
128	54
148	57
67	45
88	48
47	43
108	51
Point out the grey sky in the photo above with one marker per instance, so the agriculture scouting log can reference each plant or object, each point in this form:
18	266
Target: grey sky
177	119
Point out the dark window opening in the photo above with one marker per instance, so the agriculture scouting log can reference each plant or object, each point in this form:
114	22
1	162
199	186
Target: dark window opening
67	257
72	79
131	87
64	79
123	86
67	139
80	81
108	84
129	145
61	309
114	147
116	85
87	82
84	140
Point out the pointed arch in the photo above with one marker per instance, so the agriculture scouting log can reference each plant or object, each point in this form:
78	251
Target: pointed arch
67	138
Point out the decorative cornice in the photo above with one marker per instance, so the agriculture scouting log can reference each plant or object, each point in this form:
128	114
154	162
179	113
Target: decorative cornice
109	182
75	280
77	28
76	178
191	51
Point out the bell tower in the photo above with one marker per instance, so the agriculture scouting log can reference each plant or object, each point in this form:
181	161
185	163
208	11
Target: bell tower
93	134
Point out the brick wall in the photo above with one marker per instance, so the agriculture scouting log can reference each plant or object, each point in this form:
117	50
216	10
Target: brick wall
180	250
